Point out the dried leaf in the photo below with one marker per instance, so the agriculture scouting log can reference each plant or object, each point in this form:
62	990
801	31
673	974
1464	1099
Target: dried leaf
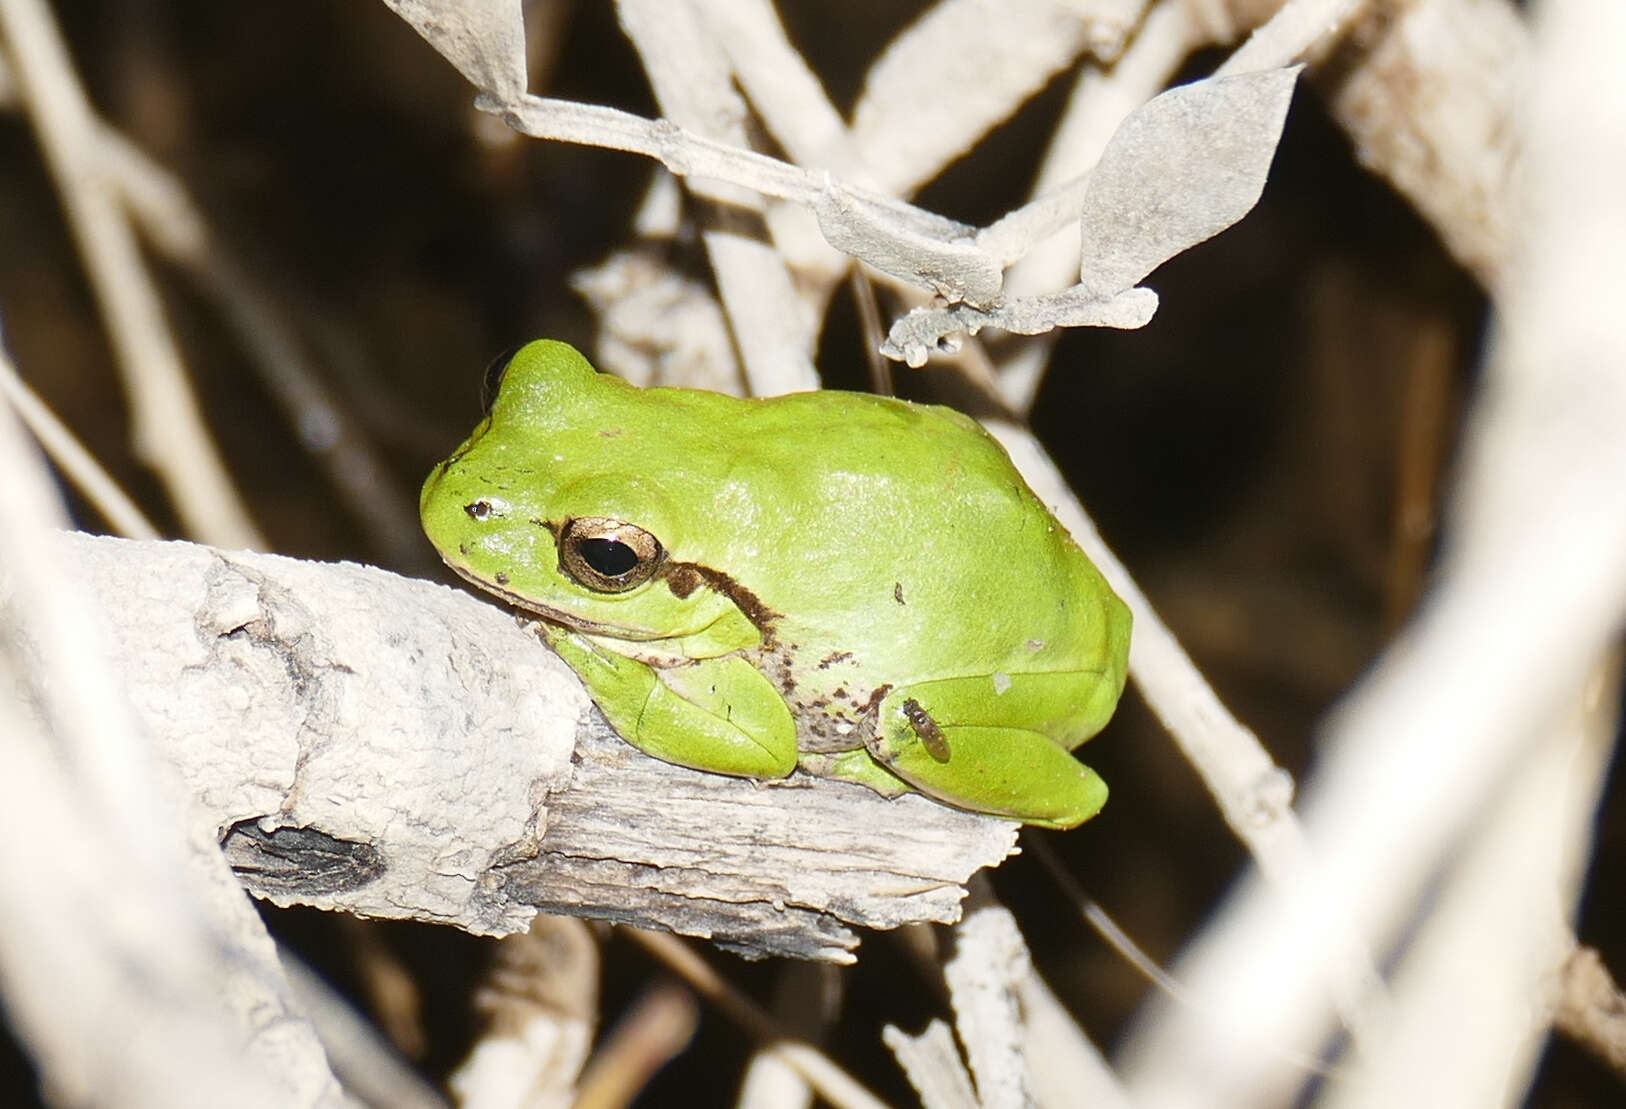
1181	169
484	39
921	255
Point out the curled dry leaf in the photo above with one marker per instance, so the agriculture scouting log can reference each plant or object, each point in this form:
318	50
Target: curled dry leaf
1181	169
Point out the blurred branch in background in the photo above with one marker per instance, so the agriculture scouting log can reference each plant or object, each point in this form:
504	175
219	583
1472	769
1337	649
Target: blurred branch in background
122	924
166	426
156	201
1458	760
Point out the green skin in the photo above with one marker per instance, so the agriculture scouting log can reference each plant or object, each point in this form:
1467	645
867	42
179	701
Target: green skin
854	585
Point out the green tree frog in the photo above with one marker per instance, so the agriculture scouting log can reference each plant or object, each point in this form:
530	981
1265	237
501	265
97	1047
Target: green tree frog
853	585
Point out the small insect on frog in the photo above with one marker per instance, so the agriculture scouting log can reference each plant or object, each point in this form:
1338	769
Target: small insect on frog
856	586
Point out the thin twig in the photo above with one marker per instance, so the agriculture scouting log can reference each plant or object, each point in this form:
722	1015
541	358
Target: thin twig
168	428
71	457
832	1083
160	205
1297	30
658	1027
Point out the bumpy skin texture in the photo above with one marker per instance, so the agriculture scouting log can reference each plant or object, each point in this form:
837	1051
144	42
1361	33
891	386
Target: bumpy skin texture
852	584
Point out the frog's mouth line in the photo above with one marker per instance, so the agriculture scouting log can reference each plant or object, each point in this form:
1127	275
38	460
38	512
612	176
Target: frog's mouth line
551	615
560	617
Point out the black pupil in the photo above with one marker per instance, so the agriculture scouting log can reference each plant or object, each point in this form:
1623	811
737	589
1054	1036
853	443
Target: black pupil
609	557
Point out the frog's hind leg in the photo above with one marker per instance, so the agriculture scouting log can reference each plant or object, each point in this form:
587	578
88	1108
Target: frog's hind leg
960	741
718	715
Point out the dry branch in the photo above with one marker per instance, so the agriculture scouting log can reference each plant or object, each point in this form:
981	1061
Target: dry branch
1529	595
1592	1008
398	749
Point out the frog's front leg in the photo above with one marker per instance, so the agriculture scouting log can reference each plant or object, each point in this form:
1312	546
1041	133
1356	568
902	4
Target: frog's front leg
719	715
998	747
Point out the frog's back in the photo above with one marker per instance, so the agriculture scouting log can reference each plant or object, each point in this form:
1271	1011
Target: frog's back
899	531
842	473
867	526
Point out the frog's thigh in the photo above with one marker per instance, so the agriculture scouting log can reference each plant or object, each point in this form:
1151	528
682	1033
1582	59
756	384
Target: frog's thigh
997	761
717	715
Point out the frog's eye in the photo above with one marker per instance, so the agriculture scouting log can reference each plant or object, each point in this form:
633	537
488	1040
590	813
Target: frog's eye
608	556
